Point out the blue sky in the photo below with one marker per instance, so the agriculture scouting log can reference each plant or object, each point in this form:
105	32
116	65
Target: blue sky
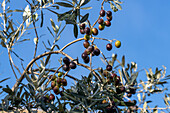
142	27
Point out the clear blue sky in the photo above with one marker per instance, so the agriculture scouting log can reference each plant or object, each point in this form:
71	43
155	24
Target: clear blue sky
142	27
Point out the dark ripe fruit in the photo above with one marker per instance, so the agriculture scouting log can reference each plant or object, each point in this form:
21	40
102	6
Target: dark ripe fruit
109	18
149	94
72	65
86	60
87	30
101	26
90	48
53	84
117	80
129	95
109	46
84	55
86	37
100	21
56	90
108	67
64	82
117	43
87	51
60	74
51	97
82	26
109	13
108	23
113	76
132	90
82	31
66	60
102	13
96	52
58	80
86	44
65	67
94	31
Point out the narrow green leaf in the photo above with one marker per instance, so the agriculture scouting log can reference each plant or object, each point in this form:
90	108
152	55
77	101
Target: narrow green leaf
42	18
67	1
123	61
64	4
86	8
75	30
118	6
3	44
16	10
70	97
56	6
31	89
84	2
52	11
11	26
84	18
23	40
53	26
133	77
8	90
50	31
45	46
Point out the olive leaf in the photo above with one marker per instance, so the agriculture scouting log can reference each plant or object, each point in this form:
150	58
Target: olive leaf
75	30
84	18
64	4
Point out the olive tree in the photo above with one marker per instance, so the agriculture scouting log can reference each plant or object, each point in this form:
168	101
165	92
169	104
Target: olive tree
107	88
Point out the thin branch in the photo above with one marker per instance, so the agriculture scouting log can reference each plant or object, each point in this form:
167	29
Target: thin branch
40	56
96	21
36	40
71	43
48	53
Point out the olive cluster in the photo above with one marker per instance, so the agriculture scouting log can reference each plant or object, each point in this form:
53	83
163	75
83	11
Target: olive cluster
130	90
67	64
48	98
103	23
109	48
89	49
89	31
119	87
57	82
114	79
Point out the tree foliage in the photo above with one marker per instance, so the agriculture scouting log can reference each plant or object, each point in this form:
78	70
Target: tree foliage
106	89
